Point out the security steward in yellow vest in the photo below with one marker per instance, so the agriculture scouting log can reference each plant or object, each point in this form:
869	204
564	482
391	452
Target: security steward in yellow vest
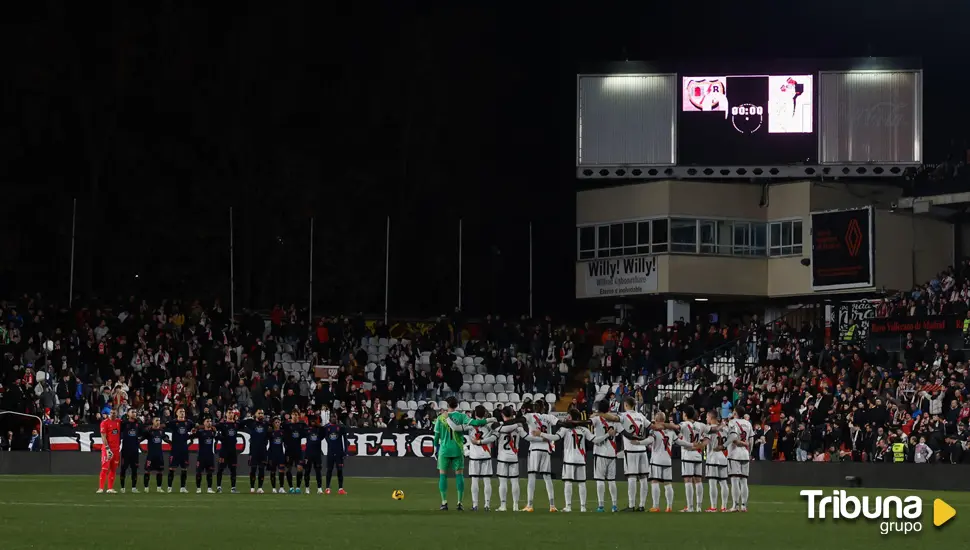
899	452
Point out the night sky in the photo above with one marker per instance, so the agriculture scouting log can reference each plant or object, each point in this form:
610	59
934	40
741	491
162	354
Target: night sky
160	116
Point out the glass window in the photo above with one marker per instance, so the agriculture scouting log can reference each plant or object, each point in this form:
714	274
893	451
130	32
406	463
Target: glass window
785	238
708	237
587	242
659	235
604	237
760	237
786	234
683	235
797	237
742	238
616	235
630	234
723	237
643	233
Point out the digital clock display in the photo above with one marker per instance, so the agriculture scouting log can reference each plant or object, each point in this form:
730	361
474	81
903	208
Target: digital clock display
747	120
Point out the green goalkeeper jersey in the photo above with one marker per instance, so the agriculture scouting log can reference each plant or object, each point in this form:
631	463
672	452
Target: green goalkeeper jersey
449	442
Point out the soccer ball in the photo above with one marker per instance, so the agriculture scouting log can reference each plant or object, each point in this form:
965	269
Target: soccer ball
398	495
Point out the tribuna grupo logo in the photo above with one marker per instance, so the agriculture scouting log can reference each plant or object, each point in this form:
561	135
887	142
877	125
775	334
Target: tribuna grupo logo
896	514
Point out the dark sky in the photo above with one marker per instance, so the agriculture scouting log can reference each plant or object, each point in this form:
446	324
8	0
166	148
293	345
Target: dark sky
160	116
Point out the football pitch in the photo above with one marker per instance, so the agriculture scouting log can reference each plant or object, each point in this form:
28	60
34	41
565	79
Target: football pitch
49	511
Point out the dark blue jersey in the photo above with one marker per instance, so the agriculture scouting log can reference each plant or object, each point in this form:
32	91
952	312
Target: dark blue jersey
258	437
207	443
130	437
181	433
313	442
276	438
228	436
294	438
155	439
335	436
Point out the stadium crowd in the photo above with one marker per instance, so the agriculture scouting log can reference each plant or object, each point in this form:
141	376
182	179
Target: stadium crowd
808	400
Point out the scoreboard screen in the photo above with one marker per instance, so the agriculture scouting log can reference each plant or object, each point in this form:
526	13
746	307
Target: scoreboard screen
747	120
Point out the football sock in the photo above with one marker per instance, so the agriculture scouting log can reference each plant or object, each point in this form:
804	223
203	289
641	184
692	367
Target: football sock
549	490
208	479
712	492
442	487
612	484
631	491
299	478
158	481
516	491
475	491
289	478
171	478
460	485
644	488
340	477
699	494
655	494
148	478
530	492
689	486
669	493
744	491
725	495
735	492
503	490
600	493
582	495
488	491
184	476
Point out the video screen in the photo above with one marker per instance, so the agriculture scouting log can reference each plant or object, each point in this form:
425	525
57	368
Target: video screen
750	119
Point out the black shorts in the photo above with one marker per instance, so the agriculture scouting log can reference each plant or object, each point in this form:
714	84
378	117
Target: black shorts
129	462
155	463
278	462
313	462
179	460
205	464
229	459
294	460
335	460
257	460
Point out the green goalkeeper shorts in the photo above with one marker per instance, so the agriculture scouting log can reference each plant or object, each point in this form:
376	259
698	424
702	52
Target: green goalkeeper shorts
454	463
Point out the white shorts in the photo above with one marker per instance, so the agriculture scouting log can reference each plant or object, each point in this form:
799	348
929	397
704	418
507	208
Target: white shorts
604	469
479	468
574	472
738	468
508	469
539	463
636	464
661	473
715	471
691	469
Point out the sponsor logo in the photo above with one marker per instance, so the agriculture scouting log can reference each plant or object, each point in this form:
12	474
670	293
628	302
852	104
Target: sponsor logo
896	515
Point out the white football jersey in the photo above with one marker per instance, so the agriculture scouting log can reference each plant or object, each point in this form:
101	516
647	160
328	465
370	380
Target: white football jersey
483	451
742	432
633	422
509	444
545	424
692	432
716	437
661	444
606	448
574	445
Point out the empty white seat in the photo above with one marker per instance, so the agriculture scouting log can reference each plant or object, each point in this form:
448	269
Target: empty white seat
481	369
286	357
502	397
383	350
410	414
514	398
475	404
466	395
393	342
465	387
421	403
490	407
401	405
479	396
459	352
370	376
443	405
373	358
412	405
424	360
372	349
491	397
476	387
479	379
487	387
464	405
365	341
469	360
468	378
479	360
500	379
603	388
498	388
551	398
489	379
382	342
527	397
470	369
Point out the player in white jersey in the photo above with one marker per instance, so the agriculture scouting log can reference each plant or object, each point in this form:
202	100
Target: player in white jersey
509	442
540	454
739	459
661	442
604	455
636	463
574	458
715	469
479	455
691	459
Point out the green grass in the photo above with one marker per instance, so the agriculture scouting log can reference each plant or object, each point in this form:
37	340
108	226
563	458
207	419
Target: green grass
64	512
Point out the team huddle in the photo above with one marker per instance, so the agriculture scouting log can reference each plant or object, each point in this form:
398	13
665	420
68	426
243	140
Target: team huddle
273	445
716	450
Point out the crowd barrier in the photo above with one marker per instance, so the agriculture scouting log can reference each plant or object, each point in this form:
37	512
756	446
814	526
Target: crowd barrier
932	477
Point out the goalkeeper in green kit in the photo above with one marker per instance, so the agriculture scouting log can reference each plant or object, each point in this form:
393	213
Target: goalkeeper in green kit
450	448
